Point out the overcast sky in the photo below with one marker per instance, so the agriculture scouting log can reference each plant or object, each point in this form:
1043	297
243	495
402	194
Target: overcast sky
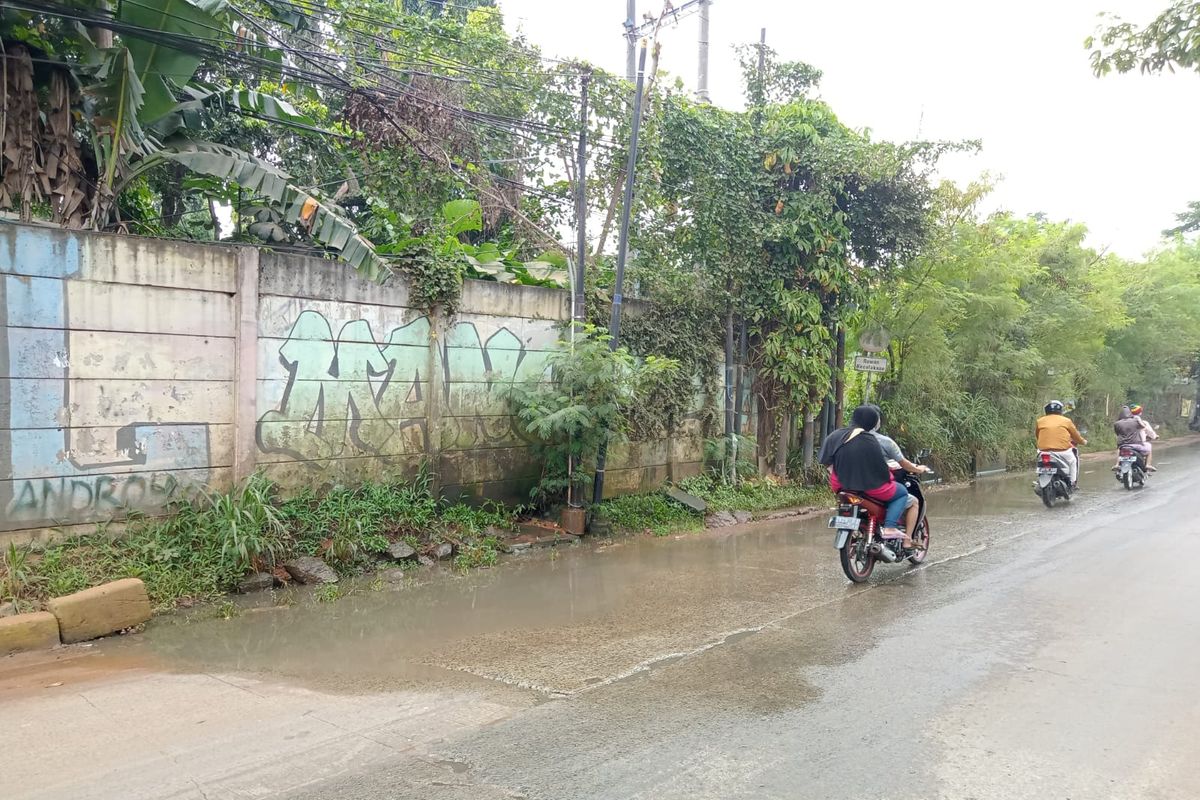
1117	154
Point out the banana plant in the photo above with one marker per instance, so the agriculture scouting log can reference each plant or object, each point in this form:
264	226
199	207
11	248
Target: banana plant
144	106
304	208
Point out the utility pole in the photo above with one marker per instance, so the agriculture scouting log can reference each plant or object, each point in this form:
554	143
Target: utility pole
839	377
614	325
730	433
581	197
630	39
702	78
762	68
574	493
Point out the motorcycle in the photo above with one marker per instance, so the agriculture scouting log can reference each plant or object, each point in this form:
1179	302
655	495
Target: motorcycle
858	523
1053	477
1131	468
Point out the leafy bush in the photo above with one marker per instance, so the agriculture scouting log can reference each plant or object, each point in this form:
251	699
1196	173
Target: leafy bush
589	400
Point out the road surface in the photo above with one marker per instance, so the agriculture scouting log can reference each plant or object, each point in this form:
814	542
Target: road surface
1039	654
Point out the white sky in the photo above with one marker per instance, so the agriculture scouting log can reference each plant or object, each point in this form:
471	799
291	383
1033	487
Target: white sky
1116	153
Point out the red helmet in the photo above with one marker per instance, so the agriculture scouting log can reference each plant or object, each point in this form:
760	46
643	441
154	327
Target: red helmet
1135	410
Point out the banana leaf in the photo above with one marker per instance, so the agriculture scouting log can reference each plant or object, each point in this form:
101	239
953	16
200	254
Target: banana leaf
160	67
322	220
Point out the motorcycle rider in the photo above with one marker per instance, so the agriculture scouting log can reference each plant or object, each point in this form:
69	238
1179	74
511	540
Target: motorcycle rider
1056	433
1130	434
1148	434
857	464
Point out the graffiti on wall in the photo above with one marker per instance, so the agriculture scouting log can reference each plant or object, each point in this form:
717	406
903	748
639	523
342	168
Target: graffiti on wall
350	393
57	472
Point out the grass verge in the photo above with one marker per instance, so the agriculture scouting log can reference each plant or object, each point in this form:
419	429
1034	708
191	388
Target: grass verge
660	515
205	546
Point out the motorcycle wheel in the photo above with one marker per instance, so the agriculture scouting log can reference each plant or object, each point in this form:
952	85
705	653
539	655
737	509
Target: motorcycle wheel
1049	495
857	560
1127	479
921	537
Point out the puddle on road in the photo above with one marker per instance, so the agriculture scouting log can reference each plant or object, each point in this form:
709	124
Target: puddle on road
560	621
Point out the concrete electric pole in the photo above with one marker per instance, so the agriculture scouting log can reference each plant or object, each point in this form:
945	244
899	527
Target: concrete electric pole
702	77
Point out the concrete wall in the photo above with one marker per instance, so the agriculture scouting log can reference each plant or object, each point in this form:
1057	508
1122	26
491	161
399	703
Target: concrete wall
137	370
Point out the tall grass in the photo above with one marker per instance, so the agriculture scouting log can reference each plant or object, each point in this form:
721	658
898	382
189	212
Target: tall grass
206	545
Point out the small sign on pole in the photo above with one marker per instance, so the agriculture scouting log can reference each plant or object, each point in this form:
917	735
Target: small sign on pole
870	364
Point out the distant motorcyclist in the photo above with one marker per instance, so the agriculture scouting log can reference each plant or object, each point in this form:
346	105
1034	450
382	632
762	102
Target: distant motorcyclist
1129	433
1056	433
1148	434
857	464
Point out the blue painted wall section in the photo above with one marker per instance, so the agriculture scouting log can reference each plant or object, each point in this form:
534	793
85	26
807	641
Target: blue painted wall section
50	475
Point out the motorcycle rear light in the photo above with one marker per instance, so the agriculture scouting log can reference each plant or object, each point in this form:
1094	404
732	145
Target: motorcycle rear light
1125	451
1046	459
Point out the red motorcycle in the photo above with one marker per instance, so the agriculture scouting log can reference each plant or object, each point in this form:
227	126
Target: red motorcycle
858	523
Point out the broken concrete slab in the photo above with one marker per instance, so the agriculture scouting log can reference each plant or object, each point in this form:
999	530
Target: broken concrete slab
690	500
101	610
542	537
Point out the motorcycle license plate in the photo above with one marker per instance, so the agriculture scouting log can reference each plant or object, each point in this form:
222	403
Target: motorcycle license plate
844	523
1127	461
1046	470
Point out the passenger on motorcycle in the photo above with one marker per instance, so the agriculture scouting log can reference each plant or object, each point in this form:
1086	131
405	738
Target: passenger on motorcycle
857	464
893	453
1148	434
1057	434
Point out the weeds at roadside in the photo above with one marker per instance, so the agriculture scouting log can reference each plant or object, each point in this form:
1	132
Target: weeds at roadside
655	513
329	593
18	579
753	495
661	516
483	553
206	545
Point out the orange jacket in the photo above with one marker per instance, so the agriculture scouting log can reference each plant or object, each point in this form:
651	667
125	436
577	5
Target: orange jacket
1057	432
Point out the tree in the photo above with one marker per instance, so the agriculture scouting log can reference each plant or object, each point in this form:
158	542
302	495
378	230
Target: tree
1169	41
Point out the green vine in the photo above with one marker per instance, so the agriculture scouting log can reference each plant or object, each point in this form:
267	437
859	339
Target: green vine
434	278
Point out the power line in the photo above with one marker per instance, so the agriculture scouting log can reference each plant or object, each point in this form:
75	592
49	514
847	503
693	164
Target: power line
335	77
316	8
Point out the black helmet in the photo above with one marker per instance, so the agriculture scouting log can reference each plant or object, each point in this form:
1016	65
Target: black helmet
866	417
1054	407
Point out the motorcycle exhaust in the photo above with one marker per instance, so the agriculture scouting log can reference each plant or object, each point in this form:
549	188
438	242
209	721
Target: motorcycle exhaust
884	552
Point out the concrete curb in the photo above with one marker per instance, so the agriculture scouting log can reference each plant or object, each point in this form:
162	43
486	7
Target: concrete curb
23	632
101	610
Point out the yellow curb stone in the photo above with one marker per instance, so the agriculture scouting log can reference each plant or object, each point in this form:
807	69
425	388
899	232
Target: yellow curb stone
22	632
101	610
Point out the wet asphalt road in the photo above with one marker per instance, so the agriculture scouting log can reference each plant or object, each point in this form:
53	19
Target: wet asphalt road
1039	654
